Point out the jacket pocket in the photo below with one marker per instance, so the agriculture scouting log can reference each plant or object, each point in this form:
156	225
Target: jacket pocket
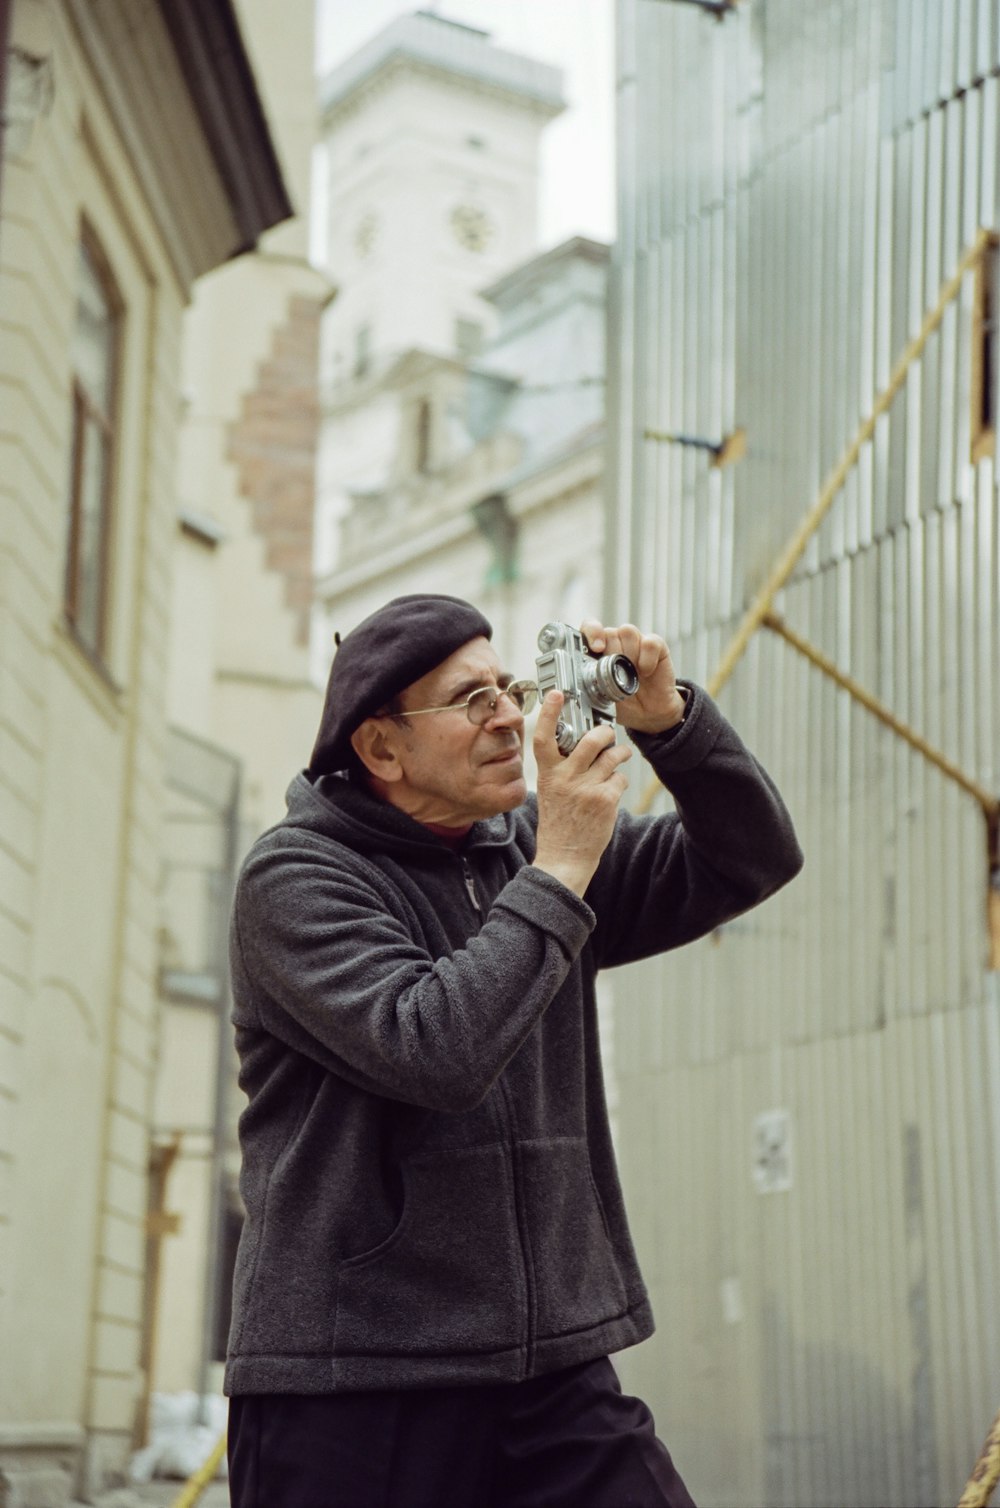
578	1280
448	1278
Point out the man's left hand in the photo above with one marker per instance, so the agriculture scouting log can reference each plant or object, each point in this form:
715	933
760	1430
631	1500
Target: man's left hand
657	705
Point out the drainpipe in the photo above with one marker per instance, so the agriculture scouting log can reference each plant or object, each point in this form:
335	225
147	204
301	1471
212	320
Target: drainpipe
212	1302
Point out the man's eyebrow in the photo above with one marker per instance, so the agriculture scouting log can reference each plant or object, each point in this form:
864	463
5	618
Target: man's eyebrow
465	688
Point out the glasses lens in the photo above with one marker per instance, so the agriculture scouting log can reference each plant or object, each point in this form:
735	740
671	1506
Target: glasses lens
523	694
481	705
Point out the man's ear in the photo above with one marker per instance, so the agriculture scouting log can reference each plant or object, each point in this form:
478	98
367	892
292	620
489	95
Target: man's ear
375	747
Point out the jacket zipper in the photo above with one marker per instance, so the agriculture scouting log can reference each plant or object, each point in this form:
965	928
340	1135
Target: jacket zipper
516	1170
519	1215
470	884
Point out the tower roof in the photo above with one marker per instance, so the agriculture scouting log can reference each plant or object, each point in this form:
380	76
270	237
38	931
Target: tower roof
446	47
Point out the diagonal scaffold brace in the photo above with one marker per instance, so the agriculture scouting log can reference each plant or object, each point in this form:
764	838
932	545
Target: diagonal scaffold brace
761	612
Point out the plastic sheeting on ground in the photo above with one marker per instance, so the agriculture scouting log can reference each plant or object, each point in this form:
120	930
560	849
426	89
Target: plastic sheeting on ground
181	1436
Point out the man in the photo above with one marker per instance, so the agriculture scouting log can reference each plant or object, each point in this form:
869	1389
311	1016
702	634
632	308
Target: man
435	1262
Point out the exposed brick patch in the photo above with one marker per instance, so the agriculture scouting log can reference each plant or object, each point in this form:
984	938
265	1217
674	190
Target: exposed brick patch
273	444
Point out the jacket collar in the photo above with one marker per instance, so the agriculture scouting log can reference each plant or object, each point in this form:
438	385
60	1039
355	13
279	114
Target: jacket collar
345	811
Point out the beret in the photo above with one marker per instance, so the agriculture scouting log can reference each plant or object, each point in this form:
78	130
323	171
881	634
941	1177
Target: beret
391	649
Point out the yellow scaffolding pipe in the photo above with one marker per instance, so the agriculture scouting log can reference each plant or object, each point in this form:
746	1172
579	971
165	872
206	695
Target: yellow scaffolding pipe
985	1473
989	803
795	548
199	1480
761	609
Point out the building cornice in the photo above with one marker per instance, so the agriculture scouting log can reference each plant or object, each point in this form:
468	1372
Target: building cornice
578	466
385	560
395	67
390	374
526	276
221	82
431	45
180	91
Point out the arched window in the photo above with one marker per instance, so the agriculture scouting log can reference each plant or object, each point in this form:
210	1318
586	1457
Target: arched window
95	362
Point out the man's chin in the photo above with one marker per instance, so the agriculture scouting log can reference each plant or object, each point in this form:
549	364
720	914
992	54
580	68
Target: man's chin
513	790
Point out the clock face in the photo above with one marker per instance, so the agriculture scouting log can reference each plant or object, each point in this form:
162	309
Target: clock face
366	234
471	227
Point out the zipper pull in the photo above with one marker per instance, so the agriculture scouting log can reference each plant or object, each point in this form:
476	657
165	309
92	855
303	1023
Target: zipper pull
470	884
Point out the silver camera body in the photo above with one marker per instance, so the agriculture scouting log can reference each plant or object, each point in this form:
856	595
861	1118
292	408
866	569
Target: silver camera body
590	683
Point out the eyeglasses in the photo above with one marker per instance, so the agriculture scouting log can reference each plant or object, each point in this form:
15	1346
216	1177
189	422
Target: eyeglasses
482	703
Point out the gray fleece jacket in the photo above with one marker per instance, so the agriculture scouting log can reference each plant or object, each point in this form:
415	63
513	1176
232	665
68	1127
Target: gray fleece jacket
430	1189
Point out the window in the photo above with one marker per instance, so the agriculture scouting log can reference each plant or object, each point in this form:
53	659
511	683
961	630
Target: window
985	373
468	337
95	362
494	520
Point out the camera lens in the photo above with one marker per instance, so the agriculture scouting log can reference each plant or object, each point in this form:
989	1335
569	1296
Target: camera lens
610	679
623	673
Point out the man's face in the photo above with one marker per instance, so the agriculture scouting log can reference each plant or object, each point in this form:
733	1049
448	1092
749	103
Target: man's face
453	772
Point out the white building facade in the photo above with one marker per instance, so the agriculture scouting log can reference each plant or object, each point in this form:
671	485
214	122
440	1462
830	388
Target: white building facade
493	470
466	455
431	140
431	135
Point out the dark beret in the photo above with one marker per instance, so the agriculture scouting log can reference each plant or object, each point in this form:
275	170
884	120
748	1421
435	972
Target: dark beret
390	650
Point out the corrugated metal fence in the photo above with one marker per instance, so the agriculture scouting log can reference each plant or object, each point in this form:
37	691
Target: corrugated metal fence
810	1104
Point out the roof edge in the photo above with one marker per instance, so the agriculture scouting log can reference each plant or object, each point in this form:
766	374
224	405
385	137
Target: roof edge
583	248
424	40
215	66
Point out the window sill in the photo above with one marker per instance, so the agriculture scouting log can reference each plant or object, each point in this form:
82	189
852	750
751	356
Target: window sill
92	677
189	987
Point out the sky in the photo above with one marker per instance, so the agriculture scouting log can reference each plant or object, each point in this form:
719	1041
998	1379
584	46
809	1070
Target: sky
577	192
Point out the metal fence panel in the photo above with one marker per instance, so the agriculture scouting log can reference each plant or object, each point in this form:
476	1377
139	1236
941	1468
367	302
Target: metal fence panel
792	196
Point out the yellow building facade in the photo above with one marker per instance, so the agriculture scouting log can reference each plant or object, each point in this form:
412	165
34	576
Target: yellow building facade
120	185
241	707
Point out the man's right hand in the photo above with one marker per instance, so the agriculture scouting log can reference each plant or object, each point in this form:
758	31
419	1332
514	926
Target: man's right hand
578	796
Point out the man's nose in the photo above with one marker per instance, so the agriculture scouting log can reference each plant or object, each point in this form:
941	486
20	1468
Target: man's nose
506	713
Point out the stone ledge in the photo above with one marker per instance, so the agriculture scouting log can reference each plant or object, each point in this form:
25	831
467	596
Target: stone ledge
49	1435
26	1486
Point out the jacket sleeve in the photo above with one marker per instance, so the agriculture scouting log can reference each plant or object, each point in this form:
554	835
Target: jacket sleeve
665	880
323	960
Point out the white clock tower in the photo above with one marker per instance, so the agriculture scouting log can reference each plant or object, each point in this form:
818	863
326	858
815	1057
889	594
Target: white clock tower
432	141
431	137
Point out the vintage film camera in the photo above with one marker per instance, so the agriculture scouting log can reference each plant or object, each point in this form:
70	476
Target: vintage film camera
590	683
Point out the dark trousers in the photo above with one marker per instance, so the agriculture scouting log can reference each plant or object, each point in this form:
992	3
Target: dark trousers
570	1439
